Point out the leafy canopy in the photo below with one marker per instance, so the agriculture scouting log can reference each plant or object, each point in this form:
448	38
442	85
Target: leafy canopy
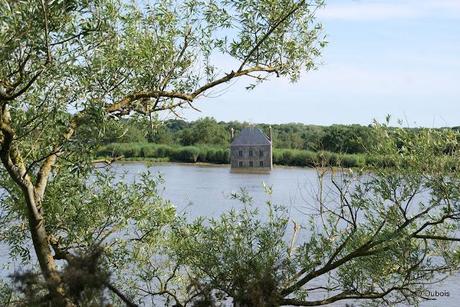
70	69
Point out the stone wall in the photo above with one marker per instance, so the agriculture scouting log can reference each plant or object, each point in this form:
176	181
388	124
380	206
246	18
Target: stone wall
246	160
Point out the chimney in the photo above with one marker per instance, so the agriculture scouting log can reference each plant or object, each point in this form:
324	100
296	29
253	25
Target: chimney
232	132
270	133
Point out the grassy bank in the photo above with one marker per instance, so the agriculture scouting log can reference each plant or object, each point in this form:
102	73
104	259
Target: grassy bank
189	154
218	155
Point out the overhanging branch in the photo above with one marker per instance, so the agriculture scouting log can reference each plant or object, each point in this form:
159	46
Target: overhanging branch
341	296
126	104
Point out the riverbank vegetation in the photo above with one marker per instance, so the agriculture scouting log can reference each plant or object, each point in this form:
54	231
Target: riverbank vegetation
221	155
349	139
207	141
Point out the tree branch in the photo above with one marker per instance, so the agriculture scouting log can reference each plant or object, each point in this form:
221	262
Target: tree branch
362	251
45	169
440	238
123	297
269	32
341	296
45	21
125	104
9	97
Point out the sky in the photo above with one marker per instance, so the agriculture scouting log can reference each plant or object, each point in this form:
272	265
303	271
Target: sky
397	57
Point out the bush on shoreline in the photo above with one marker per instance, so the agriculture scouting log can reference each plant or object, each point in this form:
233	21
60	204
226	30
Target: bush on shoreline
218	155
189	154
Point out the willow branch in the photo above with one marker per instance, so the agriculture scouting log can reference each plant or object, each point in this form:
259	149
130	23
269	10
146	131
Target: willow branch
9	97
123	297
126	104
9	156
342	296
46	167
269	32
45	21
364	250
440	238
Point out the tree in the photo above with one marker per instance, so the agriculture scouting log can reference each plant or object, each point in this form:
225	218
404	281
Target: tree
382	236
205	131
69	67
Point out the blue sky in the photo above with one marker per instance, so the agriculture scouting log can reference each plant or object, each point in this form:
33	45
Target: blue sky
398	57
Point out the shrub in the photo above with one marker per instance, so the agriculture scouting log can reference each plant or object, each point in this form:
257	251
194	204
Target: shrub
287	157
222	156
348	161
149	151
163	151
379	161
326	158
210	154
132	150
303	158
203	154
186	154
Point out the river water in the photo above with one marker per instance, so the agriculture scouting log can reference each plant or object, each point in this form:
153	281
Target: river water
205	191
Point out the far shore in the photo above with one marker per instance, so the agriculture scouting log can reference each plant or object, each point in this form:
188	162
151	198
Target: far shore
201	164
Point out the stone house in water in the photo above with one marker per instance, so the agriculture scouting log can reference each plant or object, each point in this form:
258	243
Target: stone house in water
250	151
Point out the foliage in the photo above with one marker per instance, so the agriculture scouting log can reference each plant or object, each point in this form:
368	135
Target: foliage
218	155
71	74
205	131
343	139
6	293
245	258
382	237
85	282
190	154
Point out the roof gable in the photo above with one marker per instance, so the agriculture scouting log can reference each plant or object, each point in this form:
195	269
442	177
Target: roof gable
251	136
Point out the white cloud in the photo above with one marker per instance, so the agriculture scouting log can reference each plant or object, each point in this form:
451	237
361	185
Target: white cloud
366	11
445	4
352	80
384	10
378	81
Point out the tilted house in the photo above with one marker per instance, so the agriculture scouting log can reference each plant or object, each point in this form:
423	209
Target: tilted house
251	150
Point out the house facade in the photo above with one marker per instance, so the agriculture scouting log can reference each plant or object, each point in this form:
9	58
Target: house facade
251	151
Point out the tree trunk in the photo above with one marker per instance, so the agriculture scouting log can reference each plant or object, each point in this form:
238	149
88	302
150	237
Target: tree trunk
43	251
13	163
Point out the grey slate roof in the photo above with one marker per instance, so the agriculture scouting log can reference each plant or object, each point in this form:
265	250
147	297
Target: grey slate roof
251	136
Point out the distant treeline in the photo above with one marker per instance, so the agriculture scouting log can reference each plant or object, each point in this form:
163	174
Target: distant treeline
216	155
207	131
207	140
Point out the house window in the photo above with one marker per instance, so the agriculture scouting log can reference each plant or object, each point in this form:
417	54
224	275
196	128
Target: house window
250	153
261	163
251	164
240	163
261	153
240	153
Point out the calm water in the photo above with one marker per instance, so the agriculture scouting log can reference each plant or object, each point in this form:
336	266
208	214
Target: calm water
205	191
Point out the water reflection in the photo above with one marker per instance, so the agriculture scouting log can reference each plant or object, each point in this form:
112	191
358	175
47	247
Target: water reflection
206	190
